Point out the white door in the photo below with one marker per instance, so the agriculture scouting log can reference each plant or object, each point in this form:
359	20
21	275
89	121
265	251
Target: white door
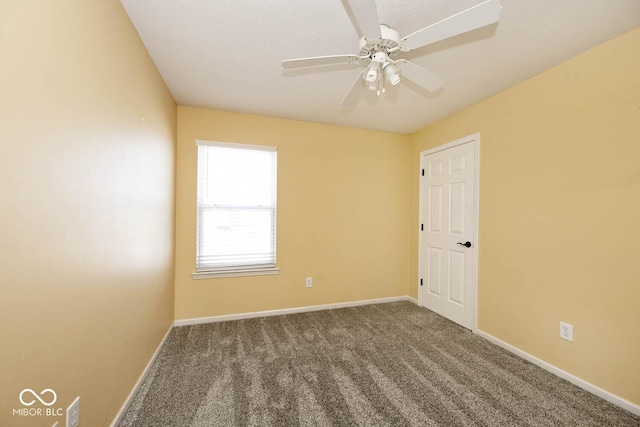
448	231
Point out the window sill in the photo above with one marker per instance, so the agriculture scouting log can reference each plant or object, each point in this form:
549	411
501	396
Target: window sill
235	273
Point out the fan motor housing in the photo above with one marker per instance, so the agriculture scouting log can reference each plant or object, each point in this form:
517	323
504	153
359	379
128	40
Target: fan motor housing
388	41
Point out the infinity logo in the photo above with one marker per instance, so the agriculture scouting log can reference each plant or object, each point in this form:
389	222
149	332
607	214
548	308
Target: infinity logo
42	393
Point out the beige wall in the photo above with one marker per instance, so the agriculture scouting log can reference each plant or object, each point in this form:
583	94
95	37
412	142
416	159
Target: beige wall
86	206
560	213
342	215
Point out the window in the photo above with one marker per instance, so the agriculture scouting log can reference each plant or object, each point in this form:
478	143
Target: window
236	231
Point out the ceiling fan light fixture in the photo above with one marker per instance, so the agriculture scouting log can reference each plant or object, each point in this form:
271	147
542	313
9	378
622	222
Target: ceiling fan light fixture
391	73
372	73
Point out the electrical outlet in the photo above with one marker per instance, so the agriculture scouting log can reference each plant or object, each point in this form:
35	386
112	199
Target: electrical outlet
73	413
309	282
566	331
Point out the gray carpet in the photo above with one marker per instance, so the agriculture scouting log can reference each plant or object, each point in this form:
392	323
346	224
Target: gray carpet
390	364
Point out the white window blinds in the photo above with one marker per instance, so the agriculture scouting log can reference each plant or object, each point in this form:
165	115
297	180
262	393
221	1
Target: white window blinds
236	206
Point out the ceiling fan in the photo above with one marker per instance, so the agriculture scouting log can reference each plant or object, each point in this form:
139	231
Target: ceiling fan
380	44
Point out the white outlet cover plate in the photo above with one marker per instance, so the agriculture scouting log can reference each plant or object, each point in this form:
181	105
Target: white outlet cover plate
566	331
73	413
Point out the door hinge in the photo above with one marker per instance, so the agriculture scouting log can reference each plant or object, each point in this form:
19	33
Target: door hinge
422	172
420	282
421	227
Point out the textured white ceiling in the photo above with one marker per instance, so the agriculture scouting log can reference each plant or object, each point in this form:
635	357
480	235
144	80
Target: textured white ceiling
225	54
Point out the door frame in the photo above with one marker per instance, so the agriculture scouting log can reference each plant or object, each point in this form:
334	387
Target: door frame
473	139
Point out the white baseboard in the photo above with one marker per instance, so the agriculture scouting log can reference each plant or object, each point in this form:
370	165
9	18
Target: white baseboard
224	318
136	386
593	389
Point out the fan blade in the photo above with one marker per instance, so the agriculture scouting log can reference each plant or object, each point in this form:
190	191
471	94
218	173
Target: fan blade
424	78
481	15
319	60
354	91
366	15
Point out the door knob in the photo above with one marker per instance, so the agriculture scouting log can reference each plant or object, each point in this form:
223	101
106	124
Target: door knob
467	244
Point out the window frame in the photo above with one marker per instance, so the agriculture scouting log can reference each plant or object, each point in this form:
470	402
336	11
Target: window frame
241	270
